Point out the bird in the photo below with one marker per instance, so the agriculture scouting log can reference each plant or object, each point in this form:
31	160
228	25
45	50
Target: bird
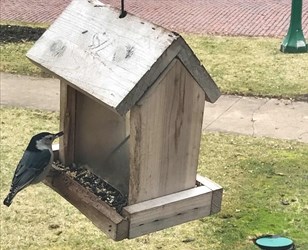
34	164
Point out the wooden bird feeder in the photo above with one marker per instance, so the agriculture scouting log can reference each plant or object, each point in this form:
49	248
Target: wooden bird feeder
131	108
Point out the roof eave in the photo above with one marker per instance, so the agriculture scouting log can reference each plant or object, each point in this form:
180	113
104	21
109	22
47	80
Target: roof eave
178	49
198	72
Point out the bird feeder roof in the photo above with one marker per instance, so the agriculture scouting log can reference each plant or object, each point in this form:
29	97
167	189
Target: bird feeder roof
113	60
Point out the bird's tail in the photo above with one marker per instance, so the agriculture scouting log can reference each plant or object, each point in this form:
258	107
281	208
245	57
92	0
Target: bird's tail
8	200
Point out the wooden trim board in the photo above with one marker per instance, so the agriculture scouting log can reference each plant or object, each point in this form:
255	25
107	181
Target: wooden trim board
149	78
144	217
217	192
67	122
170	210
102	215
199	73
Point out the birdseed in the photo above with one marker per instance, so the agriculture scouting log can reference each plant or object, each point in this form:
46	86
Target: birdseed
94	184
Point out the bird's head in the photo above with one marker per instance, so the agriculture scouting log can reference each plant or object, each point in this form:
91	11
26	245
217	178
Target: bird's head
42	141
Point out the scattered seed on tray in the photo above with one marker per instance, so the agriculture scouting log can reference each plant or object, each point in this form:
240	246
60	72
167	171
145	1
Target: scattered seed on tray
96	185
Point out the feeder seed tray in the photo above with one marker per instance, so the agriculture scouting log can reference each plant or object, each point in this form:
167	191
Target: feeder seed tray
96	185
107	208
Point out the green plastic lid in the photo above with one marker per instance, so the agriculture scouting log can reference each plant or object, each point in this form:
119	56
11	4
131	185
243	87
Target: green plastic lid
274	242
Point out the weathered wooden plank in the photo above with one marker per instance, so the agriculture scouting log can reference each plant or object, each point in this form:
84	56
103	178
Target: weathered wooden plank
201	76
67	122
165	136
217	192
102	54
149	78
163	223
169	210
101	215
99	132
208	183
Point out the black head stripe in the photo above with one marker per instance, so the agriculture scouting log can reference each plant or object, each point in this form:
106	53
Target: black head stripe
34	139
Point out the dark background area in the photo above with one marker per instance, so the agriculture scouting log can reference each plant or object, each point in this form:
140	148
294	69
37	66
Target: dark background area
12	33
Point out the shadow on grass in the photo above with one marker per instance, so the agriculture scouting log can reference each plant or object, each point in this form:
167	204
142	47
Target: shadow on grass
13	33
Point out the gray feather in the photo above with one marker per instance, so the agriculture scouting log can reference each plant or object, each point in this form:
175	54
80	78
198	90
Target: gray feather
31	169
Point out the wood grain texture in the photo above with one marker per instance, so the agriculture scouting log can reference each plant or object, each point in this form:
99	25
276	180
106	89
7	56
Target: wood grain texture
101	54
169	210
67	123
217	192
149	78
199	73
101	215
113	60
144	217
100	142
165	136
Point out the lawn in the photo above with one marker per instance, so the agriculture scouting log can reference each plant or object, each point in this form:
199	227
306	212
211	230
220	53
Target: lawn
252	66
239	65
265	185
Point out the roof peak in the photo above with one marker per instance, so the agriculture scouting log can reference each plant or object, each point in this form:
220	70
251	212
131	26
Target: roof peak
113	60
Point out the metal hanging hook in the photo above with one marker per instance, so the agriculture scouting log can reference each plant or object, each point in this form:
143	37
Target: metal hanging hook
123	12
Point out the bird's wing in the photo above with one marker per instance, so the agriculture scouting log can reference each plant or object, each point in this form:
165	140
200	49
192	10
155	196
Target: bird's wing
30	166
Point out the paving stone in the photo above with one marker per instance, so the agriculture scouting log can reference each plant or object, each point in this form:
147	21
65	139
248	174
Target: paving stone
223	17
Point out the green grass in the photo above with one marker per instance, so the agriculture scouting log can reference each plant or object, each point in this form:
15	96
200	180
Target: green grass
252	66
239	65
256	174
13	55
13	59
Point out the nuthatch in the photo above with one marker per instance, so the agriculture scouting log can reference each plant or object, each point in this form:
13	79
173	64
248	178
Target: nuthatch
34	164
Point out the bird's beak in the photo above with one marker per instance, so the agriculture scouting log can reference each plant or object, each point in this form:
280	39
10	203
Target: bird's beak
58	134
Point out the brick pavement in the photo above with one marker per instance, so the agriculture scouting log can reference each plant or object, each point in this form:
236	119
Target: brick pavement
222	17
